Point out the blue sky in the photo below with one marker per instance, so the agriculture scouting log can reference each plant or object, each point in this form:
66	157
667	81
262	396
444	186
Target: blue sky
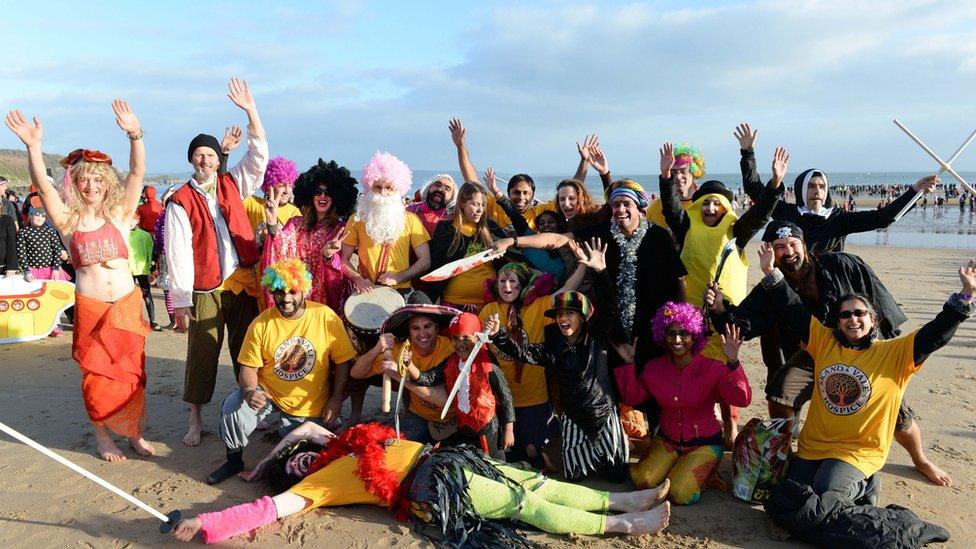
343	79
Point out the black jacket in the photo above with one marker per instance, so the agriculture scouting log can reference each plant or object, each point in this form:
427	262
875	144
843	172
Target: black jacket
832	520
8	244
822	234
838	274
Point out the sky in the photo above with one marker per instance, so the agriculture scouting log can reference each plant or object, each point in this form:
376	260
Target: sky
343	79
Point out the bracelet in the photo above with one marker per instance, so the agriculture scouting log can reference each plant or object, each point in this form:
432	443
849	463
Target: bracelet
733	364
138	136
249	390
515	241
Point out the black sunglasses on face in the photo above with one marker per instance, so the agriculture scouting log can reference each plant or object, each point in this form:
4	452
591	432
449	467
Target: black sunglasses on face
319	191
672	333
856	312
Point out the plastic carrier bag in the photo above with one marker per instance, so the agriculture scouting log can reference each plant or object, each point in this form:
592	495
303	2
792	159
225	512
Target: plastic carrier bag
759	457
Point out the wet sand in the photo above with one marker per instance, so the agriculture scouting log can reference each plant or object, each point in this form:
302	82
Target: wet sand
45	505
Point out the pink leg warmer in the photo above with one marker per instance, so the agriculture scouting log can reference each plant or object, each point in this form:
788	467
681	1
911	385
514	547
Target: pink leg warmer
169	303
238	519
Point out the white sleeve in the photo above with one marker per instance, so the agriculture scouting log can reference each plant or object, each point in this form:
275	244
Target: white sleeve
249	172
178	246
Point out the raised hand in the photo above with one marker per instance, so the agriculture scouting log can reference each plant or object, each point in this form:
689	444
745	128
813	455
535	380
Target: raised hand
667	159
491	181
492	325
731	341
240	94
232	138
746	136
457	132
626	351
766	258
585	147
713	298
598	160
927	184
596	255
30	134
781	160
271	205
333	245
967	275
125	118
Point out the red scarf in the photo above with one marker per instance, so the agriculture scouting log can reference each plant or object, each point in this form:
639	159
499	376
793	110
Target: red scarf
481	397
367	442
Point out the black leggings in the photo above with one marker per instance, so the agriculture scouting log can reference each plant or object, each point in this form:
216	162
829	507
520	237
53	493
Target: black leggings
143	282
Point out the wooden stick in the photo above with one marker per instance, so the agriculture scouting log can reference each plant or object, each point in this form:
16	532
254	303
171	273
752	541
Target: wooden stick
387	388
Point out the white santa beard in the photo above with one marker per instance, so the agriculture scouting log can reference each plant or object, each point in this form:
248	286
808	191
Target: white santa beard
383	216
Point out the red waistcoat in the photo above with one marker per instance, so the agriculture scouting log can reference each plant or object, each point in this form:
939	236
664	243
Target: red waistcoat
206	258
482	398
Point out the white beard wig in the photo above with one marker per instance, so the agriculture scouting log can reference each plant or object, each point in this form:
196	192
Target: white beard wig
383	216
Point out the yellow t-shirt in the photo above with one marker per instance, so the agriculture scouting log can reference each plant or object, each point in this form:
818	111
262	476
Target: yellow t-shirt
856	397
414	234
468	288
531	390
338	484
294	357
254	206
442	350
497	213
655	212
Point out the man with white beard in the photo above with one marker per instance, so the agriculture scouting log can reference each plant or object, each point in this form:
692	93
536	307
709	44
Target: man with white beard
383	233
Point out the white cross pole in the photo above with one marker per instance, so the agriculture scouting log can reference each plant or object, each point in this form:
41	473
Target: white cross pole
944	166
168	521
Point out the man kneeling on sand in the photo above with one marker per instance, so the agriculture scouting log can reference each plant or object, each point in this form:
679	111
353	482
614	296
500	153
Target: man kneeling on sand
286	360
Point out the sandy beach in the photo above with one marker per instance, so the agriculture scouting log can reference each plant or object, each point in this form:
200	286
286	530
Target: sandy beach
46	505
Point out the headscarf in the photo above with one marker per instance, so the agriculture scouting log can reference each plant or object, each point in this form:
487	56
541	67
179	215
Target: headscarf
800	186
777	229
630	189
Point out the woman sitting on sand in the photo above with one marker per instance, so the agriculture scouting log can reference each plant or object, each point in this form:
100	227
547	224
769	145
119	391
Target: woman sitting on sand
109	331
688	447
466	497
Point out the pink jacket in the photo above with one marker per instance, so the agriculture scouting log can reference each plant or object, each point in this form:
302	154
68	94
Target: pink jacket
687	395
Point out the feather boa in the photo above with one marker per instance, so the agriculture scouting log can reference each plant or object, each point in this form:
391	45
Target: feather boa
368	443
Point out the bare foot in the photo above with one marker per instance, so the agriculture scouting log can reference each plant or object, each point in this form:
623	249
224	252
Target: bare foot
192	436
142	447
934	474
187	528
639	500
109	451
637	524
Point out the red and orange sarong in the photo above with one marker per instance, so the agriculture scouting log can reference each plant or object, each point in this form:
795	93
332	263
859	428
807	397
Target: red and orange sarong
110	348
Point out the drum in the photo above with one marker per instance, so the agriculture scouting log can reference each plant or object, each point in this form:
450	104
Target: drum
365	314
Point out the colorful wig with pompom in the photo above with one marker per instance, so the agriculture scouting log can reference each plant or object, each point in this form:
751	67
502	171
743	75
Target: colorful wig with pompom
287	275
280	171
686	156
385	166
688	318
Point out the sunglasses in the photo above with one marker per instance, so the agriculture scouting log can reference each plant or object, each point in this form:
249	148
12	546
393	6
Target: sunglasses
670	334
319	191
855	313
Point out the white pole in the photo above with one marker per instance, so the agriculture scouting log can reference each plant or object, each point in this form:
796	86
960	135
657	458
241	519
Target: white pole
84	472
941	170
945	167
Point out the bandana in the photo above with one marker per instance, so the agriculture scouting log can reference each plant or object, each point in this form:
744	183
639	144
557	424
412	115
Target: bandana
781	229
630	189
464	324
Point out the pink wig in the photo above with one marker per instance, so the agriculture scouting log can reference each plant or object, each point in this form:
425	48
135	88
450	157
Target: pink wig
280	171
387	167
687	317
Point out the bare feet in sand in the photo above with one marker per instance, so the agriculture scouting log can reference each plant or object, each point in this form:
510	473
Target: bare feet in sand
108	450
192	436
638	524
142	447
639	500
187	528
934	474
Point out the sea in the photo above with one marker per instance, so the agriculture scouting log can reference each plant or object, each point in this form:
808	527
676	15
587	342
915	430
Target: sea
931	227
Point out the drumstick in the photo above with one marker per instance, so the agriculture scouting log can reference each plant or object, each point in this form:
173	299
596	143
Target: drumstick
387	387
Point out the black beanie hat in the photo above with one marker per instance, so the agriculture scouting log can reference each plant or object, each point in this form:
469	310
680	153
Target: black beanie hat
713	187
778	228
203	140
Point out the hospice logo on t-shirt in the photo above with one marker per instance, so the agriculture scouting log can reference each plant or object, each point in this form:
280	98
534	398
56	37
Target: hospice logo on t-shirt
294	358
844	389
